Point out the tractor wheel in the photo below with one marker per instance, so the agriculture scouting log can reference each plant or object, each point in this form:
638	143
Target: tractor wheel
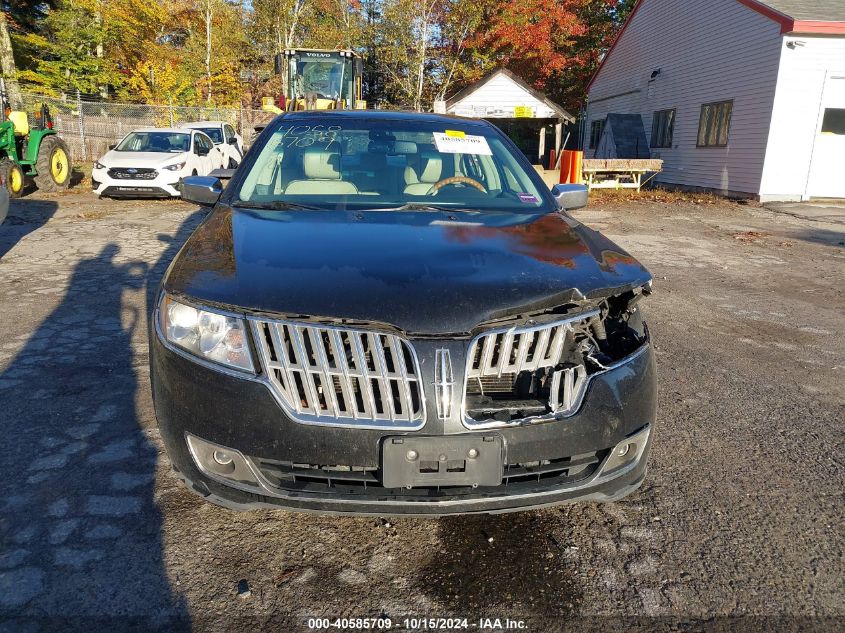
53	164
12	175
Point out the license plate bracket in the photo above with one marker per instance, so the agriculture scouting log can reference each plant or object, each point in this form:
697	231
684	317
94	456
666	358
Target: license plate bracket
457	460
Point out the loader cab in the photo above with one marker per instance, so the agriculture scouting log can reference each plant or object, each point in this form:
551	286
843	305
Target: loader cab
321	79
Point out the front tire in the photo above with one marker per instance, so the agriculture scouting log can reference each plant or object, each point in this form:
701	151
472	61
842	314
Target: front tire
53	165
12	175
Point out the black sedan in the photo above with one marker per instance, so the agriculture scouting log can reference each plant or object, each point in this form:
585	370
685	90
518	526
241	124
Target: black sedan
389	313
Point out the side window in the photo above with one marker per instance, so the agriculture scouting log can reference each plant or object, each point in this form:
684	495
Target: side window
472	168
197	143
662	128
596	129
230	133
714	126
201	142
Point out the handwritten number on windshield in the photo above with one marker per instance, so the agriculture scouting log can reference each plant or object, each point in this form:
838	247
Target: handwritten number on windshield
306	136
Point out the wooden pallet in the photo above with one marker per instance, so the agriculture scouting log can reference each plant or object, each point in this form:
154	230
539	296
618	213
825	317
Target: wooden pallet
620	173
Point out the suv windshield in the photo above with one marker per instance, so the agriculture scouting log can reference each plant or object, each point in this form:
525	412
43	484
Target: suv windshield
214	133
155	142
340	162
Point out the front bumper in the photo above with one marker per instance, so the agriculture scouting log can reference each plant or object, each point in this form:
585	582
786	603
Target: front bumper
193	400
164	185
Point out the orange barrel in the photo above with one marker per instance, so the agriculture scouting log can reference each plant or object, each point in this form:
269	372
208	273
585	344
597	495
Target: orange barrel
576	174
565	166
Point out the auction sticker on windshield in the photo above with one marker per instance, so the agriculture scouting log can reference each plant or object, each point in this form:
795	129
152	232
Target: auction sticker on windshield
451	143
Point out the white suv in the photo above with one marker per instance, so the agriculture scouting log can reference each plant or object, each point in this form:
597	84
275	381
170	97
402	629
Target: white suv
151	163
225	138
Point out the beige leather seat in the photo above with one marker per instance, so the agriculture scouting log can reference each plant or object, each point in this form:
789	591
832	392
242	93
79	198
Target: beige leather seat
425	170
322	175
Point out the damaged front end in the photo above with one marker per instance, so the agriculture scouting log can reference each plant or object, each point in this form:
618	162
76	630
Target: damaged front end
540	369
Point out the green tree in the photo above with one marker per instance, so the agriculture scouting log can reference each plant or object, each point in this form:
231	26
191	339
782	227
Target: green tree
91	45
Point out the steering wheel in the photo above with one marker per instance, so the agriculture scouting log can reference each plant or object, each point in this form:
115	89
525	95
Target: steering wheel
455	180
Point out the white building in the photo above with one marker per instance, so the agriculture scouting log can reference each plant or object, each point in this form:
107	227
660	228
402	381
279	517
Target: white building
743	97
520	110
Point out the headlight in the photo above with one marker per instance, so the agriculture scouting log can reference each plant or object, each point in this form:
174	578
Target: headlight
98	165
206	334
175	167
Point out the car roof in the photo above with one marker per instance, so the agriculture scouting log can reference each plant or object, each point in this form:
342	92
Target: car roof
196	124
173	130
376	115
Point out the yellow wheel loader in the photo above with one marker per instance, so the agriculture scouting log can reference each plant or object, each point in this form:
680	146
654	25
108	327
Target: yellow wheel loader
319	80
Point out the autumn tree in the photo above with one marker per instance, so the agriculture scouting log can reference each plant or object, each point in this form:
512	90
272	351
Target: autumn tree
89	45
218	51
422	49
555	45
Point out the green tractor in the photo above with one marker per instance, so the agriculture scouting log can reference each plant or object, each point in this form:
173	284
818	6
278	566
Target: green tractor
35	152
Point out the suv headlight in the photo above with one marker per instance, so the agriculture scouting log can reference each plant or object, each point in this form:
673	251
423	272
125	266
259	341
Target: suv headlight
206	334
175	166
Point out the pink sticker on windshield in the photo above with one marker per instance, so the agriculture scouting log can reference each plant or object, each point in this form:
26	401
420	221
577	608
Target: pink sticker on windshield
528	198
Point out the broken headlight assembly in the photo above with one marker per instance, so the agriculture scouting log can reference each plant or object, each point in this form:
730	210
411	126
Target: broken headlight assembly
206	334
617	331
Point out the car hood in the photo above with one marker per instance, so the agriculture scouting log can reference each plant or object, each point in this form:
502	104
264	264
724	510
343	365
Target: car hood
423	272
140	159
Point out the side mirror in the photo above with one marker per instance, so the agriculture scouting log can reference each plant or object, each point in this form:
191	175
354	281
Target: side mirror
570	197
201	151
232	141
202	190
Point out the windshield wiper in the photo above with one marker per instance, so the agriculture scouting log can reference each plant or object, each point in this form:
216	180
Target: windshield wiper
416	206
276	205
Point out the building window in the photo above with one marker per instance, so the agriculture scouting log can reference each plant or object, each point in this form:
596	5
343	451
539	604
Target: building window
714	126
834	121
596	129
662	127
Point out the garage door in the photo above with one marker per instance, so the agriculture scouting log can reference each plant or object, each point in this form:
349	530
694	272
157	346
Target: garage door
827	168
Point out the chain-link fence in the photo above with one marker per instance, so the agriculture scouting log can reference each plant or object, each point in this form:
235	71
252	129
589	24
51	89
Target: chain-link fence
90	127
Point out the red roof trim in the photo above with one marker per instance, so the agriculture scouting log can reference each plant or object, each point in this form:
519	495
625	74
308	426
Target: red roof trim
791	25
787	25
781	18
822	28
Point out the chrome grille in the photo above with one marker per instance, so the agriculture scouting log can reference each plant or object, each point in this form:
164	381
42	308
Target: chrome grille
567	388
497	358
331	375
517	349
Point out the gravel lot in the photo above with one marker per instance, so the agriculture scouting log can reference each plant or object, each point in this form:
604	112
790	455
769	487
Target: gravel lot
741	514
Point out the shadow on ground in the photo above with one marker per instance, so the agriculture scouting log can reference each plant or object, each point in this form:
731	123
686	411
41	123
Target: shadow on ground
81	529
495	562
25	217
821	236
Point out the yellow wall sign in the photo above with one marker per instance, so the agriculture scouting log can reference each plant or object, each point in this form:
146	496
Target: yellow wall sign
523	112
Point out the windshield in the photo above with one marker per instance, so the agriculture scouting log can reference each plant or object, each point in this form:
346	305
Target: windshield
214	133
325	79
155	142
334	163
